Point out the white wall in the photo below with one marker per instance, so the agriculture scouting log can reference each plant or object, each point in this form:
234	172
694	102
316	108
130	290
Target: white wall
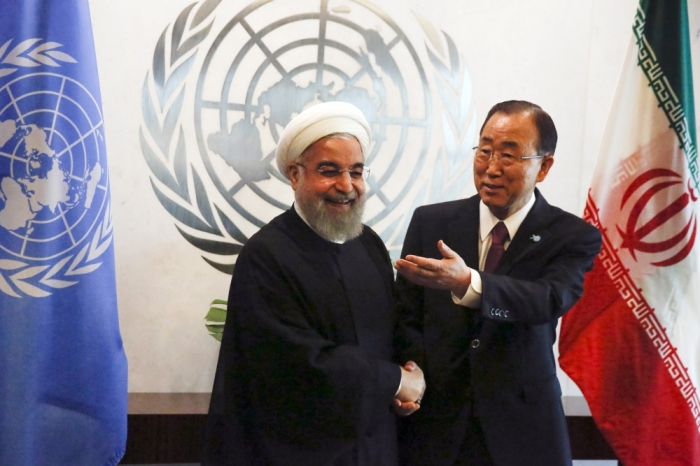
564	55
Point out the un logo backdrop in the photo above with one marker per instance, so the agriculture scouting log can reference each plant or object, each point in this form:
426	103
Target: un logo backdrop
227	77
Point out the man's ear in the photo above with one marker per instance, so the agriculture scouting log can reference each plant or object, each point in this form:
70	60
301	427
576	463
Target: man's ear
547	163
294	173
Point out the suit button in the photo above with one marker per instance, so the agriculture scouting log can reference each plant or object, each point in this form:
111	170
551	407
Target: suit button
475	343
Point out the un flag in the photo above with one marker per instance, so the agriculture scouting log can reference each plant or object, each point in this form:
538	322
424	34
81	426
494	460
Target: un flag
63	371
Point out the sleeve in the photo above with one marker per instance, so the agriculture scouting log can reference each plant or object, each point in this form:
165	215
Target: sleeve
544	287
409	302
301	386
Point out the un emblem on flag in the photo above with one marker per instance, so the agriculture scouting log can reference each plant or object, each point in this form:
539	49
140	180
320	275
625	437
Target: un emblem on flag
226	80
54	213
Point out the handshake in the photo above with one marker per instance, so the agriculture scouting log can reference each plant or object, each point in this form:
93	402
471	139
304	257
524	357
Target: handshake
408	398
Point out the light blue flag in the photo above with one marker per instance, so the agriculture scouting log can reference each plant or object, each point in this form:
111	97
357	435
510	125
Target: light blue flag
63	371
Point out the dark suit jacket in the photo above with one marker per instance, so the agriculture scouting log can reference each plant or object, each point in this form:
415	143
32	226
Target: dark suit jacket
498	359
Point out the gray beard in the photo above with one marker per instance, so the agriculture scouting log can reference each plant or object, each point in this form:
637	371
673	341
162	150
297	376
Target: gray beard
333	226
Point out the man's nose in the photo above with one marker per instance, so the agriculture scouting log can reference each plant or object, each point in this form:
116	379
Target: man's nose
494	167
343	183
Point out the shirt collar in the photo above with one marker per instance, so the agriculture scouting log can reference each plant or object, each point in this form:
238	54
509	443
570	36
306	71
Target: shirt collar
487	220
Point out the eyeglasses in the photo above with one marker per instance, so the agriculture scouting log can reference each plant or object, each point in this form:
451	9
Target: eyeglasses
329	172
483	156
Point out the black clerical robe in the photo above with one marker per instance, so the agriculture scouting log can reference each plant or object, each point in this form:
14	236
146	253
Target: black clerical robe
305	374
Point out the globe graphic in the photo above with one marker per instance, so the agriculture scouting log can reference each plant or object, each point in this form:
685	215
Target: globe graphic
53	183
274	59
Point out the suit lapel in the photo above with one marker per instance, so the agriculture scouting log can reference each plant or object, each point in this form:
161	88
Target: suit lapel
532	234
463	232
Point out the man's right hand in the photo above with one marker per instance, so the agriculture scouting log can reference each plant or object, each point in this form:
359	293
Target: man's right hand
407	400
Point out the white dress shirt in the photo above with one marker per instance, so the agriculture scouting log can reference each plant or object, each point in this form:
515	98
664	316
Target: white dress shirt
487	221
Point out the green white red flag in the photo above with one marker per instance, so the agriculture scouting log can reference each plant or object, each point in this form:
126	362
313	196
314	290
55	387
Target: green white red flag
632	343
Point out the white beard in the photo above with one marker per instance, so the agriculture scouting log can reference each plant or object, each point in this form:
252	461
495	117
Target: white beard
331	225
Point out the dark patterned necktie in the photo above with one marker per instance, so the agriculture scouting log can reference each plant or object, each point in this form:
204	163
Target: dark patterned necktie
499	235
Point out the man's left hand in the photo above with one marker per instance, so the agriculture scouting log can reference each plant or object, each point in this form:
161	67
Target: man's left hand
448	273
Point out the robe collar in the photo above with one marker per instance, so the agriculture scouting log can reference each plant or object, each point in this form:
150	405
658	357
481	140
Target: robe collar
306	235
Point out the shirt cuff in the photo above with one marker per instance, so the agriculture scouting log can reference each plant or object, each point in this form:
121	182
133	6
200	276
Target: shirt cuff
472	298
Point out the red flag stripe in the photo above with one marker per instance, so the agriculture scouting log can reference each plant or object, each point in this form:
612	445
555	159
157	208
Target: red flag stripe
637	304
613	335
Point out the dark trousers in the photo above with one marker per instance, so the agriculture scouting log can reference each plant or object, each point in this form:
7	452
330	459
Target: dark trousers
433	441
473	451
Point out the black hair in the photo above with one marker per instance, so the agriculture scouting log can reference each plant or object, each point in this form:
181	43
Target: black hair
546	130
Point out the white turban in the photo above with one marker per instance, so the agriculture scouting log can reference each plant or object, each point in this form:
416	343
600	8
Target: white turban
317	122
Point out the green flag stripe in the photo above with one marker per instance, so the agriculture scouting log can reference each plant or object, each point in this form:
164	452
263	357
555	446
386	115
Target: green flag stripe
661	29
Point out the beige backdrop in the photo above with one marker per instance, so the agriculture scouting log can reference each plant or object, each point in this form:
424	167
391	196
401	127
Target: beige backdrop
562	54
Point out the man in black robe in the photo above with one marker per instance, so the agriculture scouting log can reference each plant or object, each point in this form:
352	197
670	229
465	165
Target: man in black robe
305	374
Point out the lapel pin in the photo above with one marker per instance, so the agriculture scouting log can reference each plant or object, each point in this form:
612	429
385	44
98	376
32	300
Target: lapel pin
535	238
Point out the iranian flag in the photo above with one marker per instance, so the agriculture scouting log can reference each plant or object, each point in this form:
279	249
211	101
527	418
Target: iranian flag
632	343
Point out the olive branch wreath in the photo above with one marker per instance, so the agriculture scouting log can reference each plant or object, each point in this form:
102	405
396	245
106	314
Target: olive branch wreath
34	280
26	278
458	123
180	189
458	116
31	53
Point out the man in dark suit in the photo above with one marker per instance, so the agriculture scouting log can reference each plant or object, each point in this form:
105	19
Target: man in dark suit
480	315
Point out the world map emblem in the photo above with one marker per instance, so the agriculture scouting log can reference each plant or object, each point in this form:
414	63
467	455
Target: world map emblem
226	80
55	220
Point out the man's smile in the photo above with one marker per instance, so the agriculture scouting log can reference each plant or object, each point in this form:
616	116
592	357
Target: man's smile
340	202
